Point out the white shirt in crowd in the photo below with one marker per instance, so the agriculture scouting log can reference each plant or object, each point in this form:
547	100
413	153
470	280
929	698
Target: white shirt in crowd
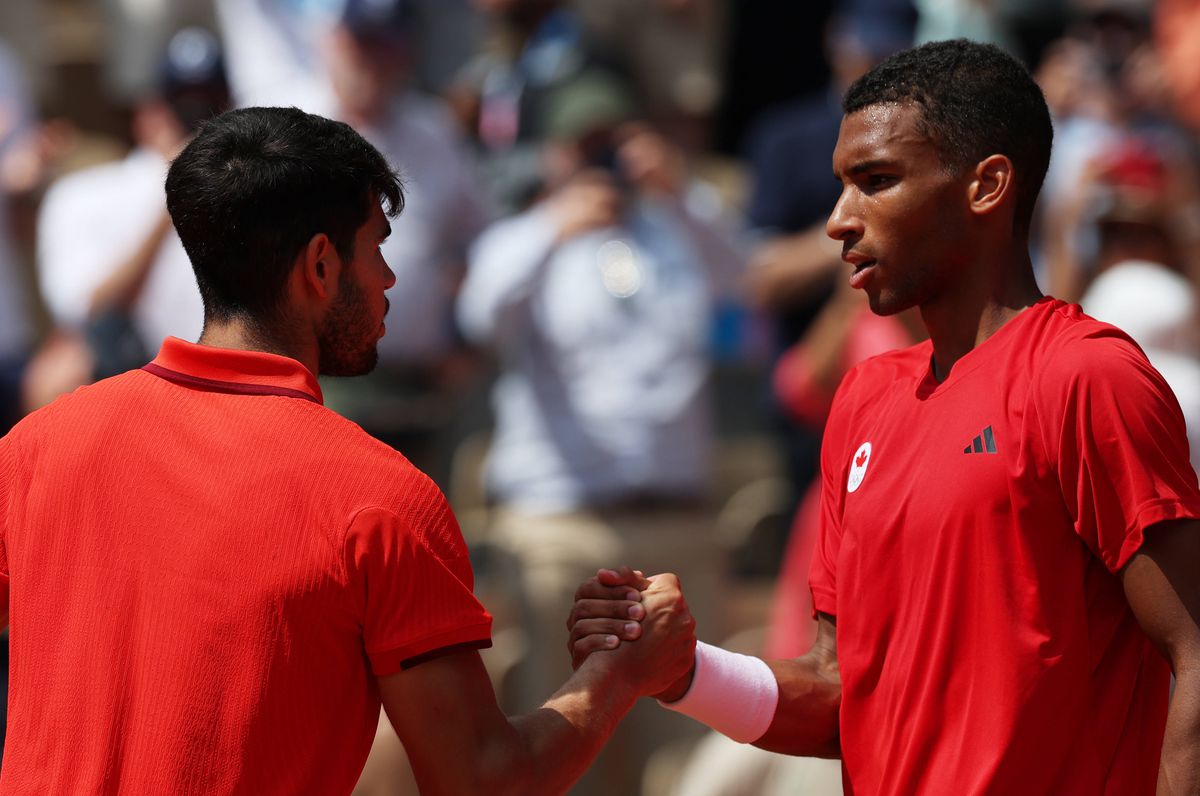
16	118
604	349
1157	308
91	222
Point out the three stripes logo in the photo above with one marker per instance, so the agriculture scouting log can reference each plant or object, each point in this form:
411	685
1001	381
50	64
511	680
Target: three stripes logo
984	443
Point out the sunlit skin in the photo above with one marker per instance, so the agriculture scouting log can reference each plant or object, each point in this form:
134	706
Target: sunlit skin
901	217
920	233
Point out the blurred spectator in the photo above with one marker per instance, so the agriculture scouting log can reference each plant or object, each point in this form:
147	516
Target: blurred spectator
1177	34
1102	81
16	320
967	19
112	269
1023	27
277	49
1146	217
597	300
138	32
535	47
673	51
774	55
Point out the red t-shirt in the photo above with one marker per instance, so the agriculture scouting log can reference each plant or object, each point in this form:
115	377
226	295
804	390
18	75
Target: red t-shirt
205	570
971	532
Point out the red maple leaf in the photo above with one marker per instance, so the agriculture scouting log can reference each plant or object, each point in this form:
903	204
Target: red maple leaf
861	460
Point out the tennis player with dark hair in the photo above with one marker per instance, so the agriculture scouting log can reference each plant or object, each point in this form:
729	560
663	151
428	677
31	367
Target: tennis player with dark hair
213	581
1007	570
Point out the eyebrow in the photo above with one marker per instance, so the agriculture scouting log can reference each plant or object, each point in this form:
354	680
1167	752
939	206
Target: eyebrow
869	165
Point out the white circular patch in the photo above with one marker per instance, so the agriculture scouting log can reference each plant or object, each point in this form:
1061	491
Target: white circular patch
858	467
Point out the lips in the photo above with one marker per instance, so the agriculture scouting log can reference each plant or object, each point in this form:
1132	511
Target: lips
858	279
863	266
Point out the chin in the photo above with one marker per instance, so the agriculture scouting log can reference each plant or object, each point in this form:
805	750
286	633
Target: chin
359	364
888	303
881	306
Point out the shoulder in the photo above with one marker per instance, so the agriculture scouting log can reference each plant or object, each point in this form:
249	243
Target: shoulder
1090	372
74	417
375	473
1074	347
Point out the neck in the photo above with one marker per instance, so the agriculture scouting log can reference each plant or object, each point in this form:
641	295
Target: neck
243	334
960	321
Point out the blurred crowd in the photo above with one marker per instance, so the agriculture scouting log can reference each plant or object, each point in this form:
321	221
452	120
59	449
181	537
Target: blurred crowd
617	323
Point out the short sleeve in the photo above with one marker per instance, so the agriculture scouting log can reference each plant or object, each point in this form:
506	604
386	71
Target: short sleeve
413	580
1114	433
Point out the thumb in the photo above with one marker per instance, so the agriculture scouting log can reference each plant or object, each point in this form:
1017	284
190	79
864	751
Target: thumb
622	576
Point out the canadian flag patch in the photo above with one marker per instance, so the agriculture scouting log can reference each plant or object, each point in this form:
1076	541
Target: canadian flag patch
858	467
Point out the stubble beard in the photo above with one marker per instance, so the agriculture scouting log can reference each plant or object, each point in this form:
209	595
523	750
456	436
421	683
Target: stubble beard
347	341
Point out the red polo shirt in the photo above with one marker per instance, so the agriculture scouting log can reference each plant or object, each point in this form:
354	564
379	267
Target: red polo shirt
205	571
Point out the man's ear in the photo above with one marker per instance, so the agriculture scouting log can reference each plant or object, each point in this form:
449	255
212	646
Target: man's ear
320	267
993	185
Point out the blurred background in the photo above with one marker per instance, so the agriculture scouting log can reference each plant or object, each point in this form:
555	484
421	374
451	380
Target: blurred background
618	323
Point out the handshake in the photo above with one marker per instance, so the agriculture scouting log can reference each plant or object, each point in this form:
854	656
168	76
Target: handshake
641	629
640	626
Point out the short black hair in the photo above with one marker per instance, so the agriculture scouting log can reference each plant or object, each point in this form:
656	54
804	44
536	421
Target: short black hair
975	100
252	189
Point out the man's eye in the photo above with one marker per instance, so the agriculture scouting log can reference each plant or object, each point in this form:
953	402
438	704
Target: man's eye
877	181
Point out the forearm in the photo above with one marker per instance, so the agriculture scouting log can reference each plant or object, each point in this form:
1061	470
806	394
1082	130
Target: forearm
806	719
792	269
549	749
825	342
1179	769
122	287
567	732
506	269
716	246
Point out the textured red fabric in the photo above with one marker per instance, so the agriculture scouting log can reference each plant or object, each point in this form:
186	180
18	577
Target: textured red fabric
984	641
205	566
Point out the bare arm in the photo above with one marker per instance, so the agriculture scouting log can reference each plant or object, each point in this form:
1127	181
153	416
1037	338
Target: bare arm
791	269
458	741
120	289
1163	591
810	696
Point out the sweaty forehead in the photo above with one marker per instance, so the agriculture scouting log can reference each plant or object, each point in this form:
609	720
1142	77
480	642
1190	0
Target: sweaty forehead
886	131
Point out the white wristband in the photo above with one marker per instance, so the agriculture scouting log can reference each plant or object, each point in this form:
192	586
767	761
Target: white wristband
734	694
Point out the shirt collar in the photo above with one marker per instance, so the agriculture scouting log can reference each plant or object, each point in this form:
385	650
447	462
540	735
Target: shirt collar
239	372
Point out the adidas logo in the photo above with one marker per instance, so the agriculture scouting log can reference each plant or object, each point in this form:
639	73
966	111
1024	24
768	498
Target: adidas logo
984	443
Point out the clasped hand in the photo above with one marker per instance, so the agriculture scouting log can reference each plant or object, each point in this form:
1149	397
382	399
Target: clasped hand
620	606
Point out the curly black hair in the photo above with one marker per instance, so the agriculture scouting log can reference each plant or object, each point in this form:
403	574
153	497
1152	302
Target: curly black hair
975	101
